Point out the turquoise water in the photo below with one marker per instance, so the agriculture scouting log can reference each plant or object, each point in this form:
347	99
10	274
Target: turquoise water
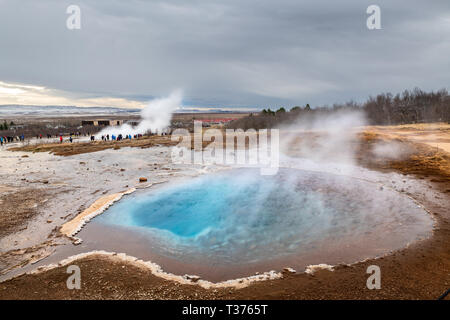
241	216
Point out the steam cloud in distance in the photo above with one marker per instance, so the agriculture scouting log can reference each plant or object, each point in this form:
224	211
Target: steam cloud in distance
155	117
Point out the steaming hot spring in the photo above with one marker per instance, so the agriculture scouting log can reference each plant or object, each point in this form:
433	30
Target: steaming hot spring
235	223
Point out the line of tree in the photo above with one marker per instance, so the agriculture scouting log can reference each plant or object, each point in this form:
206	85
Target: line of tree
410	106
5	126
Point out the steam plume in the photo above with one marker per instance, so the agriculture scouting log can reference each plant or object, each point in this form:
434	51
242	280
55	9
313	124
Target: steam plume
155	117
325	138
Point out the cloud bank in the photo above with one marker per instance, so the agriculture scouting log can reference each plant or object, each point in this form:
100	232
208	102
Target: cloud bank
227	53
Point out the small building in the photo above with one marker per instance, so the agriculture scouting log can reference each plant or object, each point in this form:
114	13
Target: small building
16	126
102	122
89	123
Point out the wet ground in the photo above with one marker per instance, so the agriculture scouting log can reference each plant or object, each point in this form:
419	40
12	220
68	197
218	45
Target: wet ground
233	224
72	183
59	188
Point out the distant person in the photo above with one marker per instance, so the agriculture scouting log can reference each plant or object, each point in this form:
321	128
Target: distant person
70	139
60	139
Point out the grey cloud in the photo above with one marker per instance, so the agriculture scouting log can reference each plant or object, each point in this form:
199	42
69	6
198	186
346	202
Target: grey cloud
227	53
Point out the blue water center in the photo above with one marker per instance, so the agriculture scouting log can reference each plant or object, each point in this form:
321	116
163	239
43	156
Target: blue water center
242	216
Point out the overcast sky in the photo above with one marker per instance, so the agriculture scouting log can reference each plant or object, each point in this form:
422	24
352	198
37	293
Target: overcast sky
228	53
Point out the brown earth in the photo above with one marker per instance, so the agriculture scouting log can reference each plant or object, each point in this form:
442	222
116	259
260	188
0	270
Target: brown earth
17	207
69	149
421	271
436	135
422	160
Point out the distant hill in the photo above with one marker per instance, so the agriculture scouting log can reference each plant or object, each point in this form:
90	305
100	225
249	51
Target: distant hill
60	111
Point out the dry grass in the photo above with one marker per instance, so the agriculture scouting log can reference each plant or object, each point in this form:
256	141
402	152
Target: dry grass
19	207
423	159
69	149
417	272
435	135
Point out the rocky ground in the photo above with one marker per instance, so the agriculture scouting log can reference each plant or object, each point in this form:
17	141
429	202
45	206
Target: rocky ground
421	271
25	206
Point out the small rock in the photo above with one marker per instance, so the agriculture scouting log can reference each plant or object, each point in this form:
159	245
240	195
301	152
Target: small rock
191	277
289	270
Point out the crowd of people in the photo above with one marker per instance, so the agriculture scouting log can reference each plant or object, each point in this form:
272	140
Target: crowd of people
107	137
60	137
119	137
9	139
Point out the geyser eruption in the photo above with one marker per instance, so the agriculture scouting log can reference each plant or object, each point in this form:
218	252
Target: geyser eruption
155	117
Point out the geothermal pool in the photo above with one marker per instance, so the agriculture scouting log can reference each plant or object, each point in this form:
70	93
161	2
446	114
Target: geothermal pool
238	222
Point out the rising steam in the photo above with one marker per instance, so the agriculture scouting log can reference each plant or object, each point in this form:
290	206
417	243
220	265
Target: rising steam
325	138
155	117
